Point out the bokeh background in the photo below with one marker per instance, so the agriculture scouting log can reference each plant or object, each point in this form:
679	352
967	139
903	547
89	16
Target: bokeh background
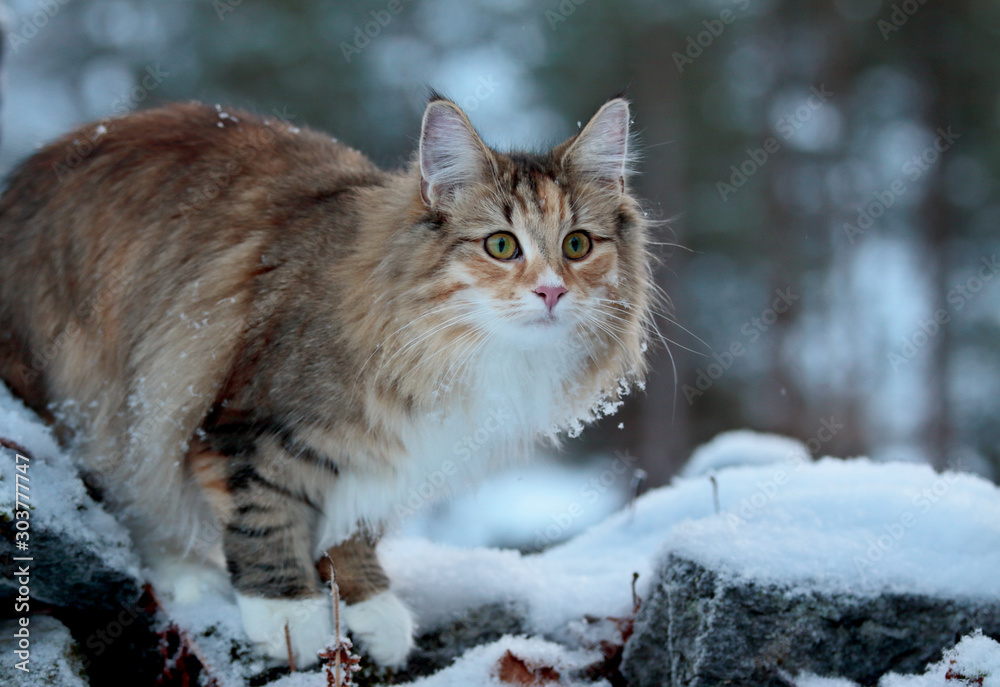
826	171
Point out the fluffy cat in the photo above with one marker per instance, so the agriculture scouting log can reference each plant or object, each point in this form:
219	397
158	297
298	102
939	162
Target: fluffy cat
268	348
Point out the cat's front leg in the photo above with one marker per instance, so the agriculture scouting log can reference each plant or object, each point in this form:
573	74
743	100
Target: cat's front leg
267	545
373	614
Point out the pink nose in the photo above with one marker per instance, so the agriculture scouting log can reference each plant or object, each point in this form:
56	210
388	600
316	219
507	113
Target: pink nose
551	295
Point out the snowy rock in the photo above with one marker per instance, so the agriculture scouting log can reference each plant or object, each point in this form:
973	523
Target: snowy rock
743	447
472	628
81	557
54	656
701	627
839	568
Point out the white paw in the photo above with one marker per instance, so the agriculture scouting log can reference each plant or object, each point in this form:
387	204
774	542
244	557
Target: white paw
309	620
185	581
383	626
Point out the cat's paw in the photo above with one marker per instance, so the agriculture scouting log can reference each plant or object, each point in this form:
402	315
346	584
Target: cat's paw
186	581
309	621
383	626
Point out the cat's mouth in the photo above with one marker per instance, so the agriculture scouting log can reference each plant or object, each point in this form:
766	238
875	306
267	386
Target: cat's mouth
546	320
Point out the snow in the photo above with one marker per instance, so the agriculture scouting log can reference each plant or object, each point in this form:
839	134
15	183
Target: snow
478	666
531	506
844	526
53	658
972	658
742	447
809	680
795	523
851	527
59	505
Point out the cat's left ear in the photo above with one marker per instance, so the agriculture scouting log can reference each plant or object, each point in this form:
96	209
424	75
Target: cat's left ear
601	150
451	153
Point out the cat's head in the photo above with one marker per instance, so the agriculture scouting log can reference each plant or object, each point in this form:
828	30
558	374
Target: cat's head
544	253
541	246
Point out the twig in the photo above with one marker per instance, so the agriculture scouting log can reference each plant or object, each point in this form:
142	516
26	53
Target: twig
186	643
635	597
16	447
344	662
288	643
715	492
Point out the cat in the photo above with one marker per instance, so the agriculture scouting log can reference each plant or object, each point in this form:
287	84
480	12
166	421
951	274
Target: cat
268	350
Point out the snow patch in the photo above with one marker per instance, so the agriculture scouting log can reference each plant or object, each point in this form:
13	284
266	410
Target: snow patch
743	447
974	658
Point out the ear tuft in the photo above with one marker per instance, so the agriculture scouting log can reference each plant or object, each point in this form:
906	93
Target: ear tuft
451	153
601	150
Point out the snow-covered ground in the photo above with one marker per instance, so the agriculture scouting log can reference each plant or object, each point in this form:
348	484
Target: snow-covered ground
846	526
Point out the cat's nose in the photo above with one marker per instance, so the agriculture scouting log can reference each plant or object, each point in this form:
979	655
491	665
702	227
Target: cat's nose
551	294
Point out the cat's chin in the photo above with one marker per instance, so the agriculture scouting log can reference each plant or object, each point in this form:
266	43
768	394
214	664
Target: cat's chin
544	331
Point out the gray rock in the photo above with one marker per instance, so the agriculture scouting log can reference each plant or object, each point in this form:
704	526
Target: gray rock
474	627
701	628
53	656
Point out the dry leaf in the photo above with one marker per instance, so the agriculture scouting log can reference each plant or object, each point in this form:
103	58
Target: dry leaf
516	671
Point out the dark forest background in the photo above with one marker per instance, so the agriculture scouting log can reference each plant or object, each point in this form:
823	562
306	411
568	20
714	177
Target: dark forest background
828	169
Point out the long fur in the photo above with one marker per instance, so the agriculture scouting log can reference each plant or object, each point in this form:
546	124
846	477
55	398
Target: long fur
195	276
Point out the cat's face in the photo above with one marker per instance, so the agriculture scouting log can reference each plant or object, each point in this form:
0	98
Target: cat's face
540	249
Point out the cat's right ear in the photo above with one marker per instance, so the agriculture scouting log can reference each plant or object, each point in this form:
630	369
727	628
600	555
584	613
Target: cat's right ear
451	153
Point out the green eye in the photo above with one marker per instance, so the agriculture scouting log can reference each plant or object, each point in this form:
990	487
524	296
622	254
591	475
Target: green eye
502	246
576	245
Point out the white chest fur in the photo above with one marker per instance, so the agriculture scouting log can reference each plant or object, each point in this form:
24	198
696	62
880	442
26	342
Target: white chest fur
514	397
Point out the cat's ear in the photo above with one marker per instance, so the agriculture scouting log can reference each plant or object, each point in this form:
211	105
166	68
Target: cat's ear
451	153
601	150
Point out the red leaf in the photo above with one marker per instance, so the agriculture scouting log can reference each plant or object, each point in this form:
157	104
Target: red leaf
516	671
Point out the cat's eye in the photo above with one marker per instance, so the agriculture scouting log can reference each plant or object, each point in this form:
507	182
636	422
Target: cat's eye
502	246
576	245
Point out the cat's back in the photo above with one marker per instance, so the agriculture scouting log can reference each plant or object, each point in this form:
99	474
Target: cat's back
186	161
135	224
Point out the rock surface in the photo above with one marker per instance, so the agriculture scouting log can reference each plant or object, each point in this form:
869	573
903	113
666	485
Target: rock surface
701	627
